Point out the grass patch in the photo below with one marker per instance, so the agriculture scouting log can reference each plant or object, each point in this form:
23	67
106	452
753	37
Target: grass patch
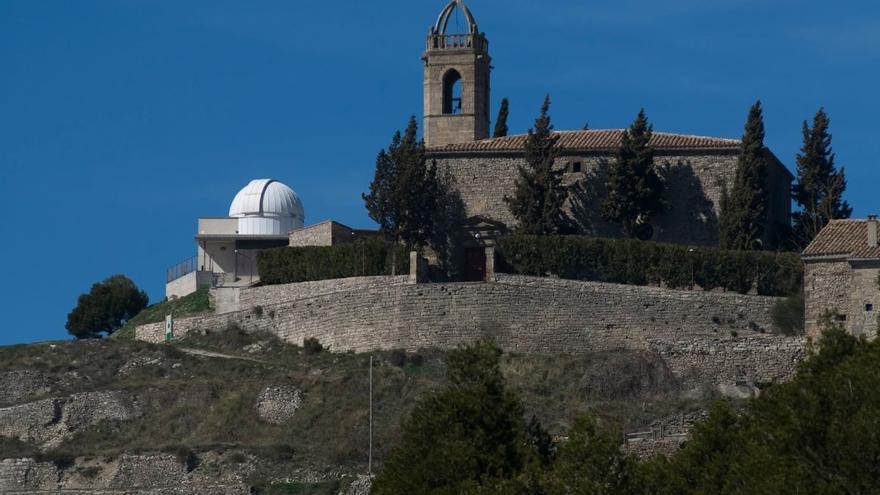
193	304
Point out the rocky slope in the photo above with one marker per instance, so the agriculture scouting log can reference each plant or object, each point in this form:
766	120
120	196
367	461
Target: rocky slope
235	413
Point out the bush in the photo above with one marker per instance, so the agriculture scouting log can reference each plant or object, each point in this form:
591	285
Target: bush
367	257
312	346
415	359
628	261
397	358
788	314
107	306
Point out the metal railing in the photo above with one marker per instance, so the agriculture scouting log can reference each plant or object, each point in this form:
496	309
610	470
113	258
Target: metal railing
181	269
447	41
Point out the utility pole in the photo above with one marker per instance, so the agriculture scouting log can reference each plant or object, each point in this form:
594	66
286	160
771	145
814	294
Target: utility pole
370	461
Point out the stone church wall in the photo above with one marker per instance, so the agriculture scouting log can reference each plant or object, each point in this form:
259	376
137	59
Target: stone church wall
695	184
703	336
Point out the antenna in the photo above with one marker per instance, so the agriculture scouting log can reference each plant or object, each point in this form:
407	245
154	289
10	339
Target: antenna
370	458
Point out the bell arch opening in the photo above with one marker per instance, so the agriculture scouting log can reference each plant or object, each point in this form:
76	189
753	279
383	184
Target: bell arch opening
452	91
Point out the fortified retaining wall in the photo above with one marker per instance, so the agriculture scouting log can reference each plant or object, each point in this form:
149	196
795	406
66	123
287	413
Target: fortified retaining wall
275	294
718	338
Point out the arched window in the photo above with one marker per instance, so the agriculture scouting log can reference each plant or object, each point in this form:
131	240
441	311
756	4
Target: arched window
452	93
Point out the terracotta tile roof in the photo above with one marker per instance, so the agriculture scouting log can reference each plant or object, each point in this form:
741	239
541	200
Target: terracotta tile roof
847	238
593	140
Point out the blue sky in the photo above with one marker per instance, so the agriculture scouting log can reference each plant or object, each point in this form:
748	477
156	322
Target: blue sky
123	121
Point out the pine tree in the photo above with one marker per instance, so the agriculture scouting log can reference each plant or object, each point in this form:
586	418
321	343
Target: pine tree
539	194
501	122
743	219
403	195
468	437
107	306
820	185
635	189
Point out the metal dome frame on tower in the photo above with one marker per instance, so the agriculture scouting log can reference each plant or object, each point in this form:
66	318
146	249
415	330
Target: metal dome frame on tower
444	17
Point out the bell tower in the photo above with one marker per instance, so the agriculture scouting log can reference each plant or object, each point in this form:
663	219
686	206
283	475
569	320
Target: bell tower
457	69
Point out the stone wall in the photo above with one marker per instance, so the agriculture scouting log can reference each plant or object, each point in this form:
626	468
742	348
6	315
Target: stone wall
49	422
153	474
695	184
719	336
220	472
850	288
327	233
247	299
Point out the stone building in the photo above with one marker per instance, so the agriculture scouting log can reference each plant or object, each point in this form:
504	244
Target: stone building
457	69
842	274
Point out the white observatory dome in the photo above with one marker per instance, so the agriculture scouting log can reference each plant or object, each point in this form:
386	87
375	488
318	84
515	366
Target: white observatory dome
267	207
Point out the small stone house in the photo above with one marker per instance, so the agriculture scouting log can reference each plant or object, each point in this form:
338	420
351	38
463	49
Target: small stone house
842	273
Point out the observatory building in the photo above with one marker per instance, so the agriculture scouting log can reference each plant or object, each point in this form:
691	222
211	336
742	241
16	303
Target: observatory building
261	216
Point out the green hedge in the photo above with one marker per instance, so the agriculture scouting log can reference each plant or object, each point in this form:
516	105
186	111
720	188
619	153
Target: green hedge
635	262
287	265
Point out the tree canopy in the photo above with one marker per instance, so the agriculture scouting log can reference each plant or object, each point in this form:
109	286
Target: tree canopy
107	306
403	197
635	188
469	437
538	193
744	207
820	185
501	121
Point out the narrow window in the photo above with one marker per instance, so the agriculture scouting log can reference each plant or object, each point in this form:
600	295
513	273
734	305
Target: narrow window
452	93
574	167
841	317
869	307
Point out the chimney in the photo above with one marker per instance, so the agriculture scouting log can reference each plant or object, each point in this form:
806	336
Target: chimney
872	231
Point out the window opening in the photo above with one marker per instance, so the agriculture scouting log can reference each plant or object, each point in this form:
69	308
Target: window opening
452	89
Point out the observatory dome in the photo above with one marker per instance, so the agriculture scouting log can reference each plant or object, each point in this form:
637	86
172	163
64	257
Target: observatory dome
267	207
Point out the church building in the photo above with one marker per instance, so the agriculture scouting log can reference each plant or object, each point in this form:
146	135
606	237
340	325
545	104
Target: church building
457	89
457	76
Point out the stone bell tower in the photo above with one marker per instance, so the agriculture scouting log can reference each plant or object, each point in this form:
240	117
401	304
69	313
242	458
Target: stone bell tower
457	69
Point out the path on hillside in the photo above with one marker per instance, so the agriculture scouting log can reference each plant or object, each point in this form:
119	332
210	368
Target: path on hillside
211	354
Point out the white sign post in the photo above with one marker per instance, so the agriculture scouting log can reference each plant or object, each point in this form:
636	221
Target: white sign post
169	328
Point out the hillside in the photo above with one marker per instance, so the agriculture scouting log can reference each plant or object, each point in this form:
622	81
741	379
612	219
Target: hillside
106	413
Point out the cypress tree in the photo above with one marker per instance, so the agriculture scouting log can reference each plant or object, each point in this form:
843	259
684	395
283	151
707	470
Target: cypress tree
635	189
744	207
539	194
820	185
403	193
501	122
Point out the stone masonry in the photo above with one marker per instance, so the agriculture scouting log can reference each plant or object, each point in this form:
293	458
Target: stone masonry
842	275
695	181
715	337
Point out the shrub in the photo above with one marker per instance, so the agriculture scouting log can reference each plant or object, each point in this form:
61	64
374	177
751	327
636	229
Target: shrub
415	359
397	358
633	262
788	314
312	346
366	257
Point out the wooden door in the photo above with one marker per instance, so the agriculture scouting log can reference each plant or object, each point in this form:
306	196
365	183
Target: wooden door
475	265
